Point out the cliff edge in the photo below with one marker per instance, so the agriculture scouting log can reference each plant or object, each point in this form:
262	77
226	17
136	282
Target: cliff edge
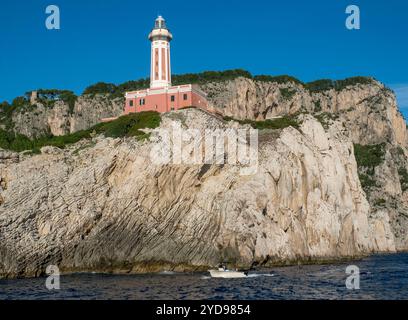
102	205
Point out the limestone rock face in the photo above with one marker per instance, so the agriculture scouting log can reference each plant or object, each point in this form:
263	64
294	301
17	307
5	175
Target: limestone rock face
38	120
103	205
90	110
369	111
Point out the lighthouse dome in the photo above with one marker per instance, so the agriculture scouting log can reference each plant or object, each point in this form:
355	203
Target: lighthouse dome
160	23
160	30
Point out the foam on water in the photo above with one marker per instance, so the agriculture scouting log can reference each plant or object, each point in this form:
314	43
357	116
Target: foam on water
255	275
381	277
167	273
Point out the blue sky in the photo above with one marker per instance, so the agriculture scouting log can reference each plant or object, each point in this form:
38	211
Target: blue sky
106	40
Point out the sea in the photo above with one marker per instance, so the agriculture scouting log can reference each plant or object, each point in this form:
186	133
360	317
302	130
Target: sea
375	277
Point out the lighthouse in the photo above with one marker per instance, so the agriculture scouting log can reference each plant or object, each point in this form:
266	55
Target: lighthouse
160	71
162	96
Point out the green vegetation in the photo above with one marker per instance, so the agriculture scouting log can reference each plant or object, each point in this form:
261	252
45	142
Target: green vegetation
48	97
22	104
129	125
287	93
210	76
278	79
338	85
196	78
368	157
403	177
324	118
342	84
19	104
101	88
125	126
318	106
17	142
400	151
114	90
279	123
366	181
380	202
6	111
320	85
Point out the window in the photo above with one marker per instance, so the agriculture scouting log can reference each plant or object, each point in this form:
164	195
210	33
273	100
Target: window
185	96
142	102
131	103
172	98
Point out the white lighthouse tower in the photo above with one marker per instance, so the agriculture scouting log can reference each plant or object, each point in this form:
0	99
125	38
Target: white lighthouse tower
162	96
160	71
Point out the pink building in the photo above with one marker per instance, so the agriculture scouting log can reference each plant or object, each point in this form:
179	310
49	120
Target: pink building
162	96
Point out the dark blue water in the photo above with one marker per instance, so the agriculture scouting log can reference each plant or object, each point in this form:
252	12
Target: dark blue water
381	277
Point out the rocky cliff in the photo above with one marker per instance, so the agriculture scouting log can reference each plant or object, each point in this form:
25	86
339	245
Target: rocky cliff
368	111
334	187
59	119
103	205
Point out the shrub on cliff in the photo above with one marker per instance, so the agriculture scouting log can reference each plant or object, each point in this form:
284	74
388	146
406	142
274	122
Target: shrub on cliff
320	85
278	79
132	86
403	177
368	157
115	91
287	94
14	141
6	111
338	85
196	78
19	102
342	84
101	88
129	125
279	123
125	126
210	76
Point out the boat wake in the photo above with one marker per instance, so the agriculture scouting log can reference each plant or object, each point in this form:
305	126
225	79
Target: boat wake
167	273
251	275
256	275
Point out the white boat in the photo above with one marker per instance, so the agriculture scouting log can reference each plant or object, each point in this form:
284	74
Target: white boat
225	273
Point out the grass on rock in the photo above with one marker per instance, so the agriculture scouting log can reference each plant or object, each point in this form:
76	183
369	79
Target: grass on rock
279	123
125	126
